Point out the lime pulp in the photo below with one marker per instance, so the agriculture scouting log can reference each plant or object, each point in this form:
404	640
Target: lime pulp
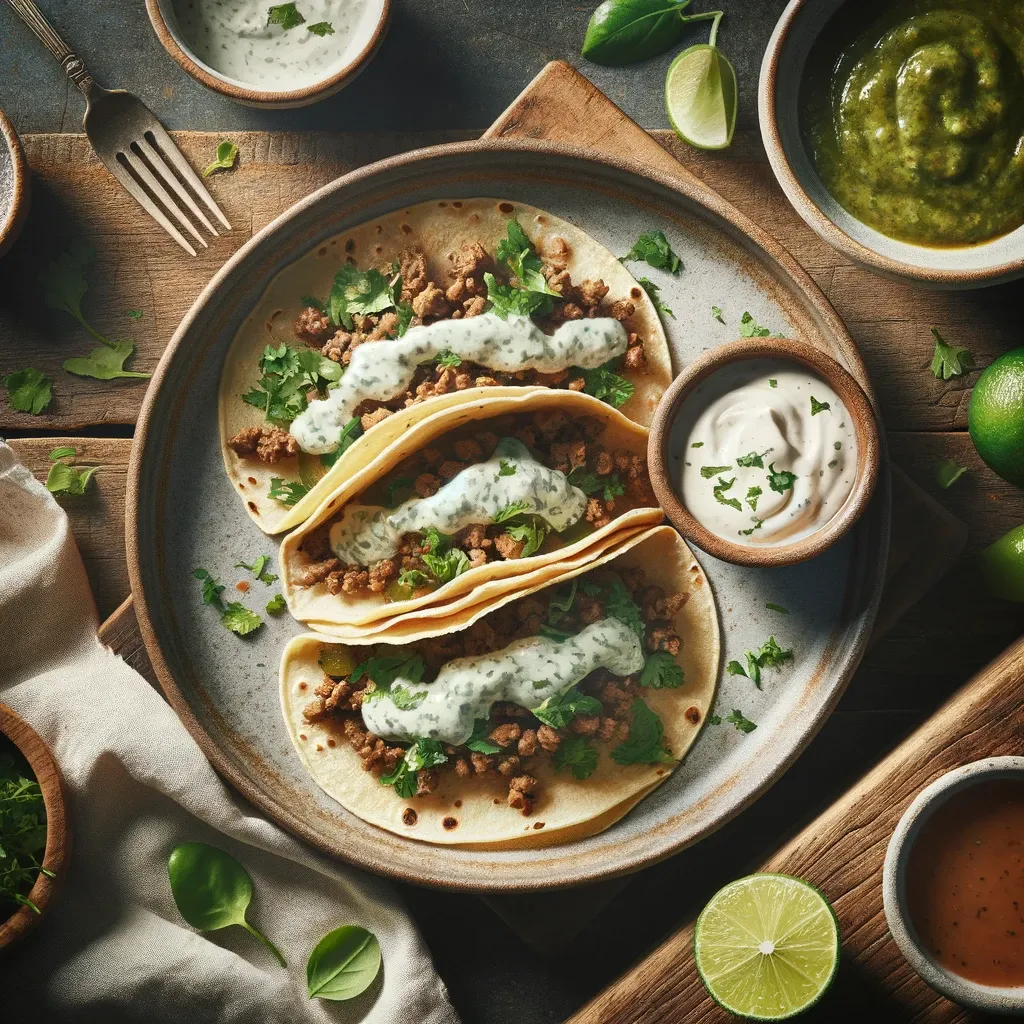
700	97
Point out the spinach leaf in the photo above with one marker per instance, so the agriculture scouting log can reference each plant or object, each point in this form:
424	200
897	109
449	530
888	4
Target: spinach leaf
625	31
343	964
212	890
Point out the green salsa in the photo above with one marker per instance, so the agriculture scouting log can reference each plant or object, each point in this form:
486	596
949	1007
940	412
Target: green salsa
913	112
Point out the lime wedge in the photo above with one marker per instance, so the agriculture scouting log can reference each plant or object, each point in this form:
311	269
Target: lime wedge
1002	565
700	96
767	946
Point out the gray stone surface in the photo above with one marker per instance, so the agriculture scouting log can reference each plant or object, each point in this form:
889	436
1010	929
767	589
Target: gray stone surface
444	64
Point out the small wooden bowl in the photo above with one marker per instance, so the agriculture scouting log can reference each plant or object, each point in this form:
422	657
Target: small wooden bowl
864	424
13	216
57	854
171	39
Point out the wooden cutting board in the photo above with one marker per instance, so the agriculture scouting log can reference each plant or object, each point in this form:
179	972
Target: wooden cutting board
841	852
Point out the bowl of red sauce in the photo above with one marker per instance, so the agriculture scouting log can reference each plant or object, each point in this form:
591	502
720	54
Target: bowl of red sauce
953	885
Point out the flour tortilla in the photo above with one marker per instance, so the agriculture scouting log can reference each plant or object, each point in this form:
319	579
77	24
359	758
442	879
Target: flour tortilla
325	612
437	227
568	809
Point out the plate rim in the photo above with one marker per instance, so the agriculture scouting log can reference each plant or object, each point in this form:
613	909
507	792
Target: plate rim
879	515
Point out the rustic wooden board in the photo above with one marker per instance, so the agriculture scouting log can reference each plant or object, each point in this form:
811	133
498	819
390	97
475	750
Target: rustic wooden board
842	852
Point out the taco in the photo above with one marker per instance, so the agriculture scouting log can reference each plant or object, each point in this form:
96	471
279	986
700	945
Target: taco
567	704
466	501
411	313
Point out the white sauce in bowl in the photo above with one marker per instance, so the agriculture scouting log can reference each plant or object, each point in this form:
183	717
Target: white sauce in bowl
234	39
764	453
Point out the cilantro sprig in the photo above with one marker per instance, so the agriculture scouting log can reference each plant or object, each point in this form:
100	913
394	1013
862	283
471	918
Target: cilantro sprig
424	753
560	710
605	384
653	248
645	743
29	390
287	376
949	361
770	655
233	615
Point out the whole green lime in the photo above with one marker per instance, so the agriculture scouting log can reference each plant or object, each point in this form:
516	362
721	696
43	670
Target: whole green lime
995	416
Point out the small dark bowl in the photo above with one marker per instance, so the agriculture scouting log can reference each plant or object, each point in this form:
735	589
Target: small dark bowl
13	208
864	424
58	832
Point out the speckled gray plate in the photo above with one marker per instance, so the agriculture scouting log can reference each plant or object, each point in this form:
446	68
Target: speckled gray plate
183	513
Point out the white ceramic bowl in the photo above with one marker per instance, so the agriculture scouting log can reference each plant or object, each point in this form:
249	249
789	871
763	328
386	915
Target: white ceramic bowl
785	60
994	999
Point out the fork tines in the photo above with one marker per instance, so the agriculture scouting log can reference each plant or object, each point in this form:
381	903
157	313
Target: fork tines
146	168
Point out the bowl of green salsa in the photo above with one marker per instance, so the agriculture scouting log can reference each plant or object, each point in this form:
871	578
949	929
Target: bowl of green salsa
896	129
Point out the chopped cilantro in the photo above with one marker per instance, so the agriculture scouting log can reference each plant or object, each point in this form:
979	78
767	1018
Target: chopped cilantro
837	445
276	605
212	588
949	361
719	492
776	608
610	486
560	710
506	468
135	314
645	744
772	382
480	741
652	293
697	444
758	523
385	669
259	569
781	480
653	248
406	700
716	312
321	28
709	471
29	391
287	374
661	672
239	619
350	433
447	358
736	717
311	302
750	328
619	605
817	406
605	384
771	655
510	511
753	493
518	252
506	300
532	530
288	492
358	292
714	719
443	561
947	472
576	754
285	15
424	753
227	154
412	578
752	460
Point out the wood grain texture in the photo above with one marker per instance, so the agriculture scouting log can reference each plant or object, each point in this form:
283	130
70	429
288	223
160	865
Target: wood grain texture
842	852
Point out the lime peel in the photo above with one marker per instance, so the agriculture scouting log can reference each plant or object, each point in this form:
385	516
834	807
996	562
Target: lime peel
701	95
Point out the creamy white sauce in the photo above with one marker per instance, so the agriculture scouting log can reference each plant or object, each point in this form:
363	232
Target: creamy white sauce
738	414
233	38
526	672
380	370
366	533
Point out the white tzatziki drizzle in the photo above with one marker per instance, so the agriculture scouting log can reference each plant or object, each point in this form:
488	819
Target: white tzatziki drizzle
366	534
774	413
527	672
384	369
234	38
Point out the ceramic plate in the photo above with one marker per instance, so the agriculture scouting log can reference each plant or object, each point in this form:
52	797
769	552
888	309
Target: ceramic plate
183	513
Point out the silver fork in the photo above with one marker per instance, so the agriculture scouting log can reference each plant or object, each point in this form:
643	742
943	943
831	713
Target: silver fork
132	144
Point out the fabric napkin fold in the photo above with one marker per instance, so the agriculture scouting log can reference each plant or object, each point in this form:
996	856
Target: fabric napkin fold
113	947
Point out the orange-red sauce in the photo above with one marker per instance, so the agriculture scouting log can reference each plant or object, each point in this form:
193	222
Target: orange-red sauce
965	883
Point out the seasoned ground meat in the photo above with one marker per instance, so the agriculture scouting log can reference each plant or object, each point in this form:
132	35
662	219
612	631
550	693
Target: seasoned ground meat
522	791
412	265
312	326
268	444
431	302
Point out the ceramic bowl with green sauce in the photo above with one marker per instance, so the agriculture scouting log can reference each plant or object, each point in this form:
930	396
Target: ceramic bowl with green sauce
896	129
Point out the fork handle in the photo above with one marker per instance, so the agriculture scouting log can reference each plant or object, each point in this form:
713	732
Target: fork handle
72	64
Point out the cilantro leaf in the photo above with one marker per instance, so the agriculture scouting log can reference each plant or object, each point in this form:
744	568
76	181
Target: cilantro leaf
518	253
64	478
276	605
239	619
734	668
753	493
321	28
652	247
506	300
285	15
758	523
506	468
310	301
212	588
510	511
135	314
949	361
619	605
781	480
105	362
532	530
358	291
645	744
406	700
29	390
652	293
772	382
288	492
64	282
259	569
63	452
743	724
714	719
383	670
287	375
350	433
403	779
576	754
560	710
752	460
605	384
817	406
947	472
446	567
227	154
771	655
709	471
412	578
776	608
716	312
697	444
425	753
750	328
661	672
480	741
447	358
719	492
610	486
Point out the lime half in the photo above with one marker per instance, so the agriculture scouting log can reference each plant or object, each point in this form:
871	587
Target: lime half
700	96
767	946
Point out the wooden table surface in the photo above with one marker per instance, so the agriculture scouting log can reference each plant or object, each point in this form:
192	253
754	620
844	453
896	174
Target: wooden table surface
956	629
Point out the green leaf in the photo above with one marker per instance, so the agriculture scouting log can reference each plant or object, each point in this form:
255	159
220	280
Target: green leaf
719	492
506	300
227	154
343	964
626	31
645	744
776	608
212	588
780	480
752	460
446	567
135	314
560	710
64	478
105	362
772	383
753	493
285	15
652	292
510	511
403	779
276	605
480	741
619	605
736	717
817	406
709	471
29	391
661	672
531	530
758	523
321	28
518	253
64	281
576	754
212	890
288	492
603	383
447	358
358	291
697	444
400	489
258	569
239	619
652	247
62	453
734	668
716	312
412	578
947	472
383	670
561	601
750	328
949	361
506	468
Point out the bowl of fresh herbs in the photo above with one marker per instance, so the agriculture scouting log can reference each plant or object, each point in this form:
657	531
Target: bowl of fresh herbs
34	835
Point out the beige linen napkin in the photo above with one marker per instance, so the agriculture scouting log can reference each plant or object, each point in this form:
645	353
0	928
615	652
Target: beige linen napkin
114	947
